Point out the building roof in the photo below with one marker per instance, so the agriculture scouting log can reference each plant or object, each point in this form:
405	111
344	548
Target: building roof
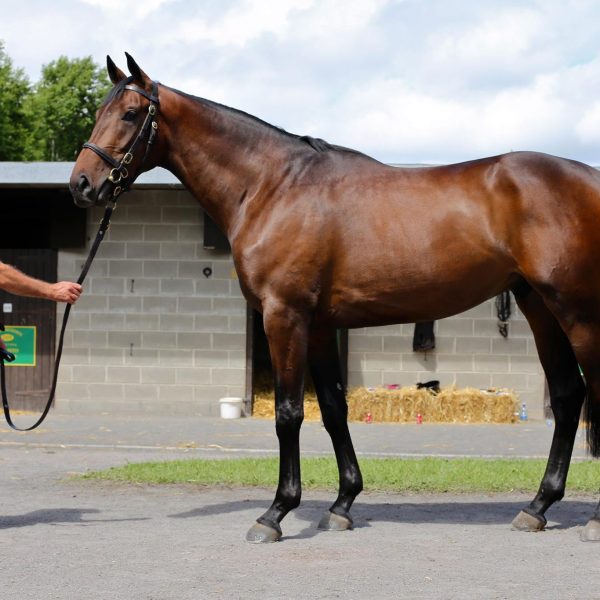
57	174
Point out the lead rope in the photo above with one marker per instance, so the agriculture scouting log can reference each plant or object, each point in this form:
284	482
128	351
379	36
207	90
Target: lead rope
8	357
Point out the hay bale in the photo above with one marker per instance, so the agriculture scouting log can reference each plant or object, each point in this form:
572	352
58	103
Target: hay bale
450	405
264	406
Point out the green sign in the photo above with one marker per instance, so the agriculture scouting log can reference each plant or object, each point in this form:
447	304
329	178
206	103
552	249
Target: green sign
20	340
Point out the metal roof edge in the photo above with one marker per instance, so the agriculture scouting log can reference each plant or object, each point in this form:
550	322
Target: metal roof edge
57	174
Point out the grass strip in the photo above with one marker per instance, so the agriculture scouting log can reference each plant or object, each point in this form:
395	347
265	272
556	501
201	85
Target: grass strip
389	474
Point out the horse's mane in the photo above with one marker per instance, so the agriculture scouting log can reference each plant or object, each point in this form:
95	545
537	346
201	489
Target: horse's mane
317	144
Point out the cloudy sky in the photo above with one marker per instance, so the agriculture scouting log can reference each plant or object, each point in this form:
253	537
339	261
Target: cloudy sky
406	81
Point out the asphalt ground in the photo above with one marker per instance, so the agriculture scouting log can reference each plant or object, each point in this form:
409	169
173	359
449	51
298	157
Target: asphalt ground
70	539
214	436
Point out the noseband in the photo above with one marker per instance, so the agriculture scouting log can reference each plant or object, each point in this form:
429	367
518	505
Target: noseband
119	173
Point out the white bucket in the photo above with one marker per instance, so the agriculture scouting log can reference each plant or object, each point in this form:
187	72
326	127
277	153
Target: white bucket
231	408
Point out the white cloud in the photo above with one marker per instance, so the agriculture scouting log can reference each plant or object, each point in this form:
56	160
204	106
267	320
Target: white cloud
588	126
503	36
245	21
401	80
126	9
330	18
300	19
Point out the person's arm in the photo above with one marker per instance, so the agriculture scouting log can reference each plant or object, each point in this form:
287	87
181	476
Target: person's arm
14	281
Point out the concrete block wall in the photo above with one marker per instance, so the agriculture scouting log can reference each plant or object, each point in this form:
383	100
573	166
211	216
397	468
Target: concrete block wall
151	332
470	352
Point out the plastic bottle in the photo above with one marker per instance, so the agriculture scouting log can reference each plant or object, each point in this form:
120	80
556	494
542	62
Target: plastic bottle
523	413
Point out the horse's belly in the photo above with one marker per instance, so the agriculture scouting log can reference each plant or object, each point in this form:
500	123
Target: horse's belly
414	298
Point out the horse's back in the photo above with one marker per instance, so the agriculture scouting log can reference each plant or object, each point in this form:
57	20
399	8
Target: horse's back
382	244
430	242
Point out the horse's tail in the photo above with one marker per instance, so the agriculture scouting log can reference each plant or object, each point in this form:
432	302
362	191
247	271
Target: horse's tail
591	411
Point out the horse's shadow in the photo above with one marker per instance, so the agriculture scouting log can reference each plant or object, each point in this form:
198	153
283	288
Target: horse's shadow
55	516
563	515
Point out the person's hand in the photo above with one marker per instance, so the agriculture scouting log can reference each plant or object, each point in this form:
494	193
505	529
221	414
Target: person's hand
65	291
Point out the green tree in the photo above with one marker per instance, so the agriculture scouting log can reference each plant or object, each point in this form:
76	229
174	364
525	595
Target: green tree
15	127
63	107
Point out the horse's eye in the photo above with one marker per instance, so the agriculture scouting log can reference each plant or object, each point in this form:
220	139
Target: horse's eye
129	115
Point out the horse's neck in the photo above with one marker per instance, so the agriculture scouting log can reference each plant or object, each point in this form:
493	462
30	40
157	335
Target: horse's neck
221	157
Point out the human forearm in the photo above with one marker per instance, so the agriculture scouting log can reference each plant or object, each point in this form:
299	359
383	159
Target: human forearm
14	281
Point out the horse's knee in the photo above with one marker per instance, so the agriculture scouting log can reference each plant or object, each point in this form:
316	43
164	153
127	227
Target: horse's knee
288	427
288	417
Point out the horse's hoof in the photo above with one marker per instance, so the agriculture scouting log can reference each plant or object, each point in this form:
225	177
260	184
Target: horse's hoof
263	534
591	532
526	522
333	522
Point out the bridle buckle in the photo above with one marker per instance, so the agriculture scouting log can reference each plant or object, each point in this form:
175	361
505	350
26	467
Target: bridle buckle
115	176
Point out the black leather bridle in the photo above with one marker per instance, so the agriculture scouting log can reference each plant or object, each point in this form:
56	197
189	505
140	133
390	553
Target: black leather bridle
119	174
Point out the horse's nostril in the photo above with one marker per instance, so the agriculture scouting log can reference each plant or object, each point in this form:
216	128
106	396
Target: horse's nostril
83	184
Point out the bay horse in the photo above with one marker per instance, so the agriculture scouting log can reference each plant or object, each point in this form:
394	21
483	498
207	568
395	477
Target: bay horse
325	237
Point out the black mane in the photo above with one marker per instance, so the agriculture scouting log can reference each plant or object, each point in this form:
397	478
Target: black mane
317	144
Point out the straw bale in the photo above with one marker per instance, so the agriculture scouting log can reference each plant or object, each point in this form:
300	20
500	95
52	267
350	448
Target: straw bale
450	405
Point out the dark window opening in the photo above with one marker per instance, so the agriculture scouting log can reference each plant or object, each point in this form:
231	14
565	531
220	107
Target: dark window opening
40	218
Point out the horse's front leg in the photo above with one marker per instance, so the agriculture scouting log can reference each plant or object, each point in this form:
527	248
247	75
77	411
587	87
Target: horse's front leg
286	331
323	358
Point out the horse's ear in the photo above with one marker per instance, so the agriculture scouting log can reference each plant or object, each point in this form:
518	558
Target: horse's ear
114	72
138	75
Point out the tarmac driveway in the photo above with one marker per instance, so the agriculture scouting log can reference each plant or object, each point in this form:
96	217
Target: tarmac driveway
68	539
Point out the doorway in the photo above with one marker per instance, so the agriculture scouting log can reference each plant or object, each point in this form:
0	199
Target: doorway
259	369
30	331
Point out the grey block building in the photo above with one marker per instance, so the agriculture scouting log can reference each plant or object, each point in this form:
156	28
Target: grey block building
163	327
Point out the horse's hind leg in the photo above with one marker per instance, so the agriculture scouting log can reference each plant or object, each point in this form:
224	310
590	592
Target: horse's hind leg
325	371
287	332
584	334
567	392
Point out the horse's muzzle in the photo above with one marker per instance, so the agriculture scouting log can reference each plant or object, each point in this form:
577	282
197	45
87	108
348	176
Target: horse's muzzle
82	191
85	195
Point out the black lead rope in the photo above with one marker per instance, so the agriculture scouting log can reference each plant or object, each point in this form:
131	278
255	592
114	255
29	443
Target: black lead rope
8	357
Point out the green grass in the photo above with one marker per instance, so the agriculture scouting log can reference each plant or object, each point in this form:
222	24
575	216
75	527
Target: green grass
395	475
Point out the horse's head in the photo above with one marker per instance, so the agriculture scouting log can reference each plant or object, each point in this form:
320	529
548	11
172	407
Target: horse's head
120	146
